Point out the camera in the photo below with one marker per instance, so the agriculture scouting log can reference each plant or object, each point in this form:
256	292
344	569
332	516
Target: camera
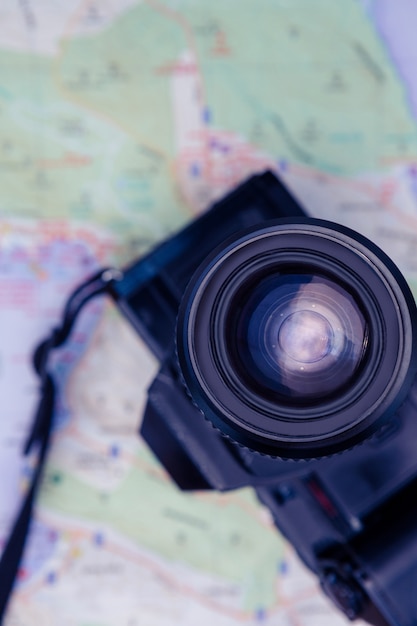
288	355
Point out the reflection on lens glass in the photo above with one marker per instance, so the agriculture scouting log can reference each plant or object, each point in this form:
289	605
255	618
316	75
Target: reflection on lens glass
300	336
305	336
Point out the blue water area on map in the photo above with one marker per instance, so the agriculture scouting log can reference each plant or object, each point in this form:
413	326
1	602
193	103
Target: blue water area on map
51	578
195	170
114	451
98	539
207	115
395	23
260	615
283	165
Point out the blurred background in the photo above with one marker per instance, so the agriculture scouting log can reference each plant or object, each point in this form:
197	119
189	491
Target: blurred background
120	120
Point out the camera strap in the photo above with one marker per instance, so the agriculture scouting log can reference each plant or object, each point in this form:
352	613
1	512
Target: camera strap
37	443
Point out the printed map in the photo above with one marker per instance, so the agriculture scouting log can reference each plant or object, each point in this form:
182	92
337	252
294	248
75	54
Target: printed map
120	120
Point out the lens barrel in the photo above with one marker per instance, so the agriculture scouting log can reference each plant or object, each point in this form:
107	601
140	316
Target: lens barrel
298	340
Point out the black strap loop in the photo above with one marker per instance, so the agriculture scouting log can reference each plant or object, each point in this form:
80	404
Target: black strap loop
40	433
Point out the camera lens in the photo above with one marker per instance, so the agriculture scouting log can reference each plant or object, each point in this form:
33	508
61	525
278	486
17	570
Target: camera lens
297	339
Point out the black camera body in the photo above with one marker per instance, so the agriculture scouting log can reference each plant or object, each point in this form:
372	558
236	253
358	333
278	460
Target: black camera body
288	355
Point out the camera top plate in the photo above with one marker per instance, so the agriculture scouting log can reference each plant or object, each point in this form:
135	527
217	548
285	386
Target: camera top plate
151	289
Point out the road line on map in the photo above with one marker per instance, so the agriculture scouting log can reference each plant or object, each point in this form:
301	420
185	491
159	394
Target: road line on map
147	563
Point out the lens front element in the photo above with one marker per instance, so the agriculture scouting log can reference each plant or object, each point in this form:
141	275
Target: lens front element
305	337
299	337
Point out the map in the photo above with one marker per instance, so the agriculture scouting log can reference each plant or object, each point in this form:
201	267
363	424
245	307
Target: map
121	120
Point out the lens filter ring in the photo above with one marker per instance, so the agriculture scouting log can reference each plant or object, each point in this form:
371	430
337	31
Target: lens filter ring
298	340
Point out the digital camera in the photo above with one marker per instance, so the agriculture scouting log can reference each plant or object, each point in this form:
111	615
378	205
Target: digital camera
288	358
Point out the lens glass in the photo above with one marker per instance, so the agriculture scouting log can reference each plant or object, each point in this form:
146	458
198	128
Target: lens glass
296	337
